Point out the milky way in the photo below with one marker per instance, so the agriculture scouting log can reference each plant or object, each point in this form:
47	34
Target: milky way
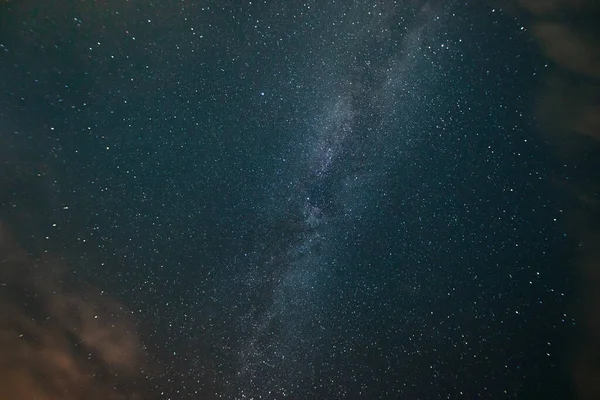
345	152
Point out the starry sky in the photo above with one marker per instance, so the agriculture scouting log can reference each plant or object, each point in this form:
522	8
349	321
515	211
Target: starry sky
327	200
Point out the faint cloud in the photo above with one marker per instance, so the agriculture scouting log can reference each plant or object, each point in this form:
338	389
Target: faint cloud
545	7
570	50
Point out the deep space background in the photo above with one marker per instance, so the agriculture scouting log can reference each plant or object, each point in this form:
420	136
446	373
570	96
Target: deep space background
364	200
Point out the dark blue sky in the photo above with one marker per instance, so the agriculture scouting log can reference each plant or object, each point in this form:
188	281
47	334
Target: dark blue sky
294	200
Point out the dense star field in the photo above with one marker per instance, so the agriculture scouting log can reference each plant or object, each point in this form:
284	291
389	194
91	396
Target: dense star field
304	200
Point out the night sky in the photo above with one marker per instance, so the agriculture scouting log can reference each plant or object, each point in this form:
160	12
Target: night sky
304	200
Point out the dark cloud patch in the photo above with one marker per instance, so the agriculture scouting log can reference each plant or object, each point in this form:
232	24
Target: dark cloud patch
568	109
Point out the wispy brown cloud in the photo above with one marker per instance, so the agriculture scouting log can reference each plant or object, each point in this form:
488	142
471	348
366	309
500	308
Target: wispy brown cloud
59	343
